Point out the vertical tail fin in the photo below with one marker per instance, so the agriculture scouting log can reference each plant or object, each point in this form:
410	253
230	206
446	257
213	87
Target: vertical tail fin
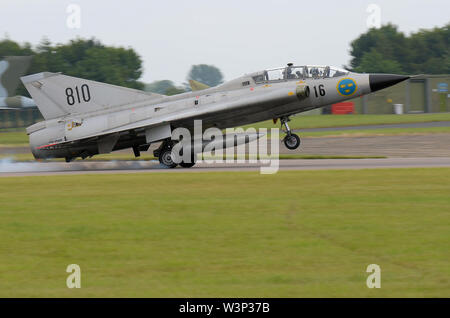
57	95
197	86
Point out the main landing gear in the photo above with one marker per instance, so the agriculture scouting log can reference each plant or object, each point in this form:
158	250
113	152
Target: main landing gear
164	154
166	159
189	164
291	141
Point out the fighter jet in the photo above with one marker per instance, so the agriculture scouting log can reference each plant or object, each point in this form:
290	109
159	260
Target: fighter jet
84	118
11	69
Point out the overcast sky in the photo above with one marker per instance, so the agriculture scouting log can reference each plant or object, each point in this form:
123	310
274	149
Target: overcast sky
238	36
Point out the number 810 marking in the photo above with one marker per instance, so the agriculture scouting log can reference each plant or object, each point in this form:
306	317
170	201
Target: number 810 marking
85	94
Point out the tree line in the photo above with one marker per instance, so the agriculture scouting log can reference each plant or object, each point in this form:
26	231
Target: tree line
387	50
383	50
90	59
203	73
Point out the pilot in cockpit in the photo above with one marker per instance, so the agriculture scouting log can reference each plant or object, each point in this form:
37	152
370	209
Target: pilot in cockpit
288	74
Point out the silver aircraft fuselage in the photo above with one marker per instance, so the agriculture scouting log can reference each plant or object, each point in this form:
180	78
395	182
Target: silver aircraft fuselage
255	97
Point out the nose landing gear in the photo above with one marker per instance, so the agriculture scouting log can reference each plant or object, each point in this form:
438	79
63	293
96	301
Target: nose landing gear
291	141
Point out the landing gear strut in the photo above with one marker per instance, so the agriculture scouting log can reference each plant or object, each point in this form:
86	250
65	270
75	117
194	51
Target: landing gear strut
291	141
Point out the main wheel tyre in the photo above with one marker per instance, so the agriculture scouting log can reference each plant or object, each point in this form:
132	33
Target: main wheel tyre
165	158
189	164
292	141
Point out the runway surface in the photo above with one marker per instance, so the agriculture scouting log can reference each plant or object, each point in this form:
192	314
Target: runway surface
413	146
9	168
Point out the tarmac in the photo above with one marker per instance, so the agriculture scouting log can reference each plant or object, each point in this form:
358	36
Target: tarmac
411	145
401	151
10	169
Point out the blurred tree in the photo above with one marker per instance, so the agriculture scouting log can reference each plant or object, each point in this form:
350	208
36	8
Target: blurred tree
165	87
173	90
373	62
91	60
430	51
386	41
206	74
11	48
159	87
87	59
388	50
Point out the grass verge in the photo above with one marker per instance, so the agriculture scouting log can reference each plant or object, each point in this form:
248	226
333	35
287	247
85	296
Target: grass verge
292	234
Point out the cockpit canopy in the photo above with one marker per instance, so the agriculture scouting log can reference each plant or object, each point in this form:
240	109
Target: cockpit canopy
298	73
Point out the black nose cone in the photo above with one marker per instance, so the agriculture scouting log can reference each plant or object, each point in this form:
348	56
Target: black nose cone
380	81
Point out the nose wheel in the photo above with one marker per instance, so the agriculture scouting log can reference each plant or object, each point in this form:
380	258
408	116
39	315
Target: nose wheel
291	141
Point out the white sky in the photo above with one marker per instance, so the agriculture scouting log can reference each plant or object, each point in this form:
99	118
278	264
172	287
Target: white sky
238	36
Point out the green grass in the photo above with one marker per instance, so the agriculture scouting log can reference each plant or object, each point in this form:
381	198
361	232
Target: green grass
292	234
322	121
14	138
20	138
